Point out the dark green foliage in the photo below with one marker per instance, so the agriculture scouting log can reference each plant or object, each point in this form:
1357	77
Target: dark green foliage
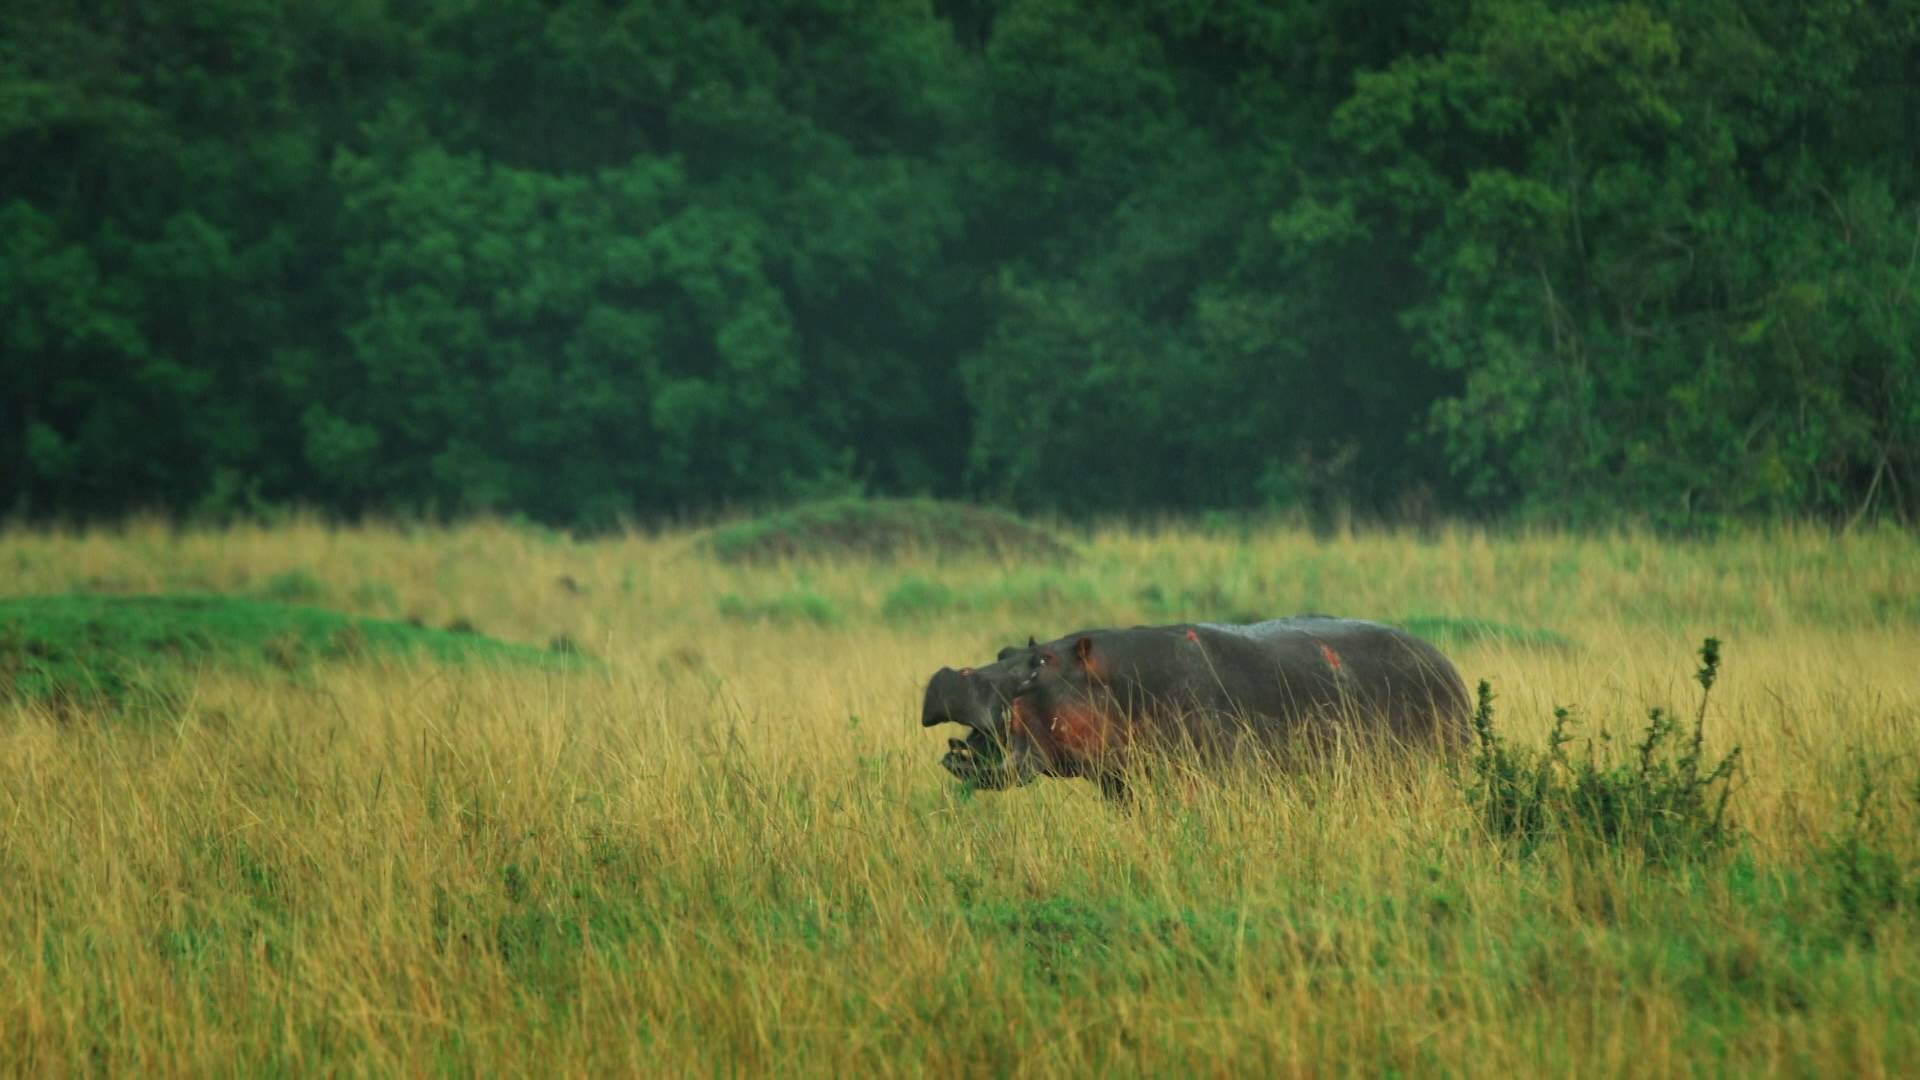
1660	800
884	528
1668	250
127	652
594	263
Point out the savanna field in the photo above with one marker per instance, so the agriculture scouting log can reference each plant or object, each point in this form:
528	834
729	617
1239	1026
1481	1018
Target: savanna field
489	799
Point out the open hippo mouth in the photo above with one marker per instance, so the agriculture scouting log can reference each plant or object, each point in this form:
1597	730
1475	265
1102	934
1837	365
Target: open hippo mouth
980	760
979	699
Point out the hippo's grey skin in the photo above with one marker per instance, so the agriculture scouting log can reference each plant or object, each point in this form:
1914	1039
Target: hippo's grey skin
1079	705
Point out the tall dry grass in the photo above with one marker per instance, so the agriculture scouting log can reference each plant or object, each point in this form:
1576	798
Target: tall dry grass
730	848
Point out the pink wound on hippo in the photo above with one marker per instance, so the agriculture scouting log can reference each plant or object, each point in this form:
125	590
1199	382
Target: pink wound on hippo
1193	636
1333	658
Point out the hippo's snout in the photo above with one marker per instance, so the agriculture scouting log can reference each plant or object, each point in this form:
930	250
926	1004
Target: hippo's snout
947	699
969	697
978	699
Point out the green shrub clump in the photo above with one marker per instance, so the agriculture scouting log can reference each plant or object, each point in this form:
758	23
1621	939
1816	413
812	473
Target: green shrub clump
1662	801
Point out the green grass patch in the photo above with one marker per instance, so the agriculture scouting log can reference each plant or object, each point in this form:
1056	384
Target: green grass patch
883	528
798	606
122	649
1208	603
917	597
1023	593
1465	630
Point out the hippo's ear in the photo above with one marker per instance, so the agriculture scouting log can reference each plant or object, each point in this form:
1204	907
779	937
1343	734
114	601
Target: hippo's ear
1032	644
1089	660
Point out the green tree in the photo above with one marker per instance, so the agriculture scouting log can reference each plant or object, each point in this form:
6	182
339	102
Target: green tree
1576	260
1164	337
1631	221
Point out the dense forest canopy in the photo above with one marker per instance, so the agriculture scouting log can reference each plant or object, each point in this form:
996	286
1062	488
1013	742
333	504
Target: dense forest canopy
587	261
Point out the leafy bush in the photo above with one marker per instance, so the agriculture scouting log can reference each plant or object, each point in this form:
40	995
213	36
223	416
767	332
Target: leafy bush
1661	801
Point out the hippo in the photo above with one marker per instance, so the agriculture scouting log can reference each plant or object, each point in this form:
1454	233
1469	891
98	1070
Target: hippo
1084	704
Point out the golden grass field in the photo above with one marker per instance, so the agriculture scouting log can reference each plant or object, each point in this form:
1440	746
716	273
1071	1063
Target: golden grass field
729	848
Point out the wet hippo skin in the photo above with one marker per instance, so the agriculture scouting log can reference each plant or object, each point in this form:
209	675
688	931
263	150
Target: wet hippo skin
1083	704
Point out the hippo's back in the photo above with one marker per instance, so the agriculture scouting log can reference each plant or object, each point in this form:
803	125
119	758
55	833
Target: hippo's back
1366	672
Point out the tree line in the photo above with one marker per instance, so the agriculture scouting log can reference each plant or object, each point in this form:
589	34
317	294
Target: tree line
591	261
